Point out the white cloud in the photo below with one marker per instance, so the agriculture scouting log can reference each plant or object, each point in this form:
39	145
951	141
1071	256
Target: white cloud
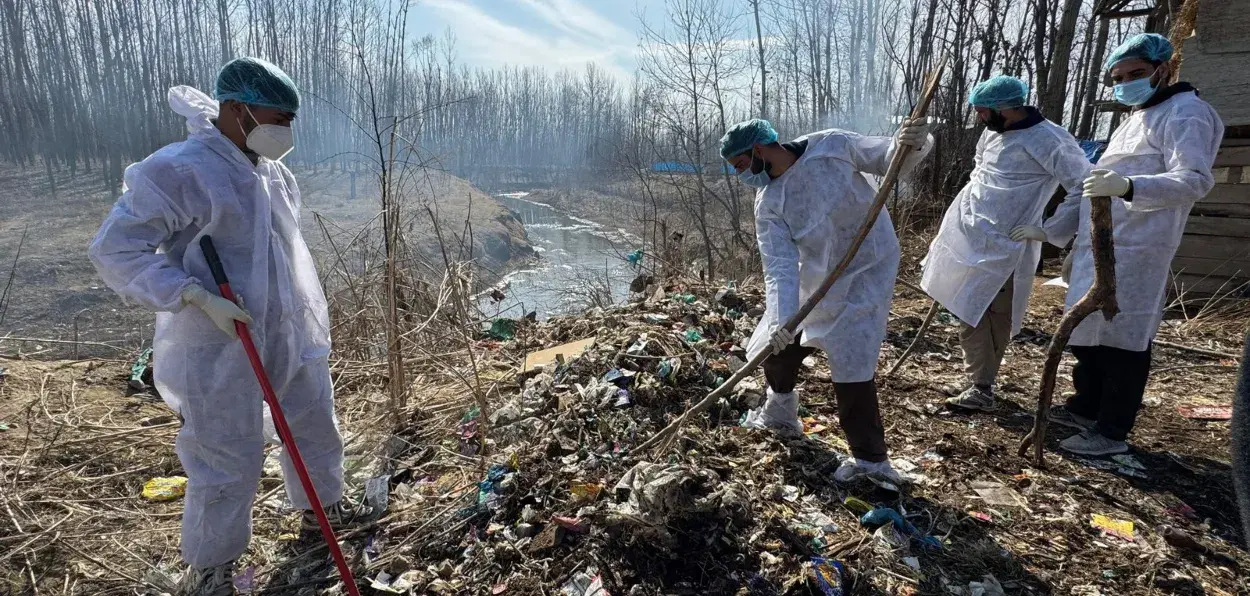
487	40
580	20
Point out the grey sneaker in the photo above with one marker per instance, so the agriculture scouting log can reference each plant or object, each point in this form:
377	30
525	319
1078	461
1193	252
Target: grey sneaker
1062	416
343	515
973	398
1091	443
211	581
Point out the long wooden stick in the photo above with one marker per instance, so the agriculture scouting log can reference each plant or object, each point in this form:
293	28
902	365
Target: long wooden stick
883	193
1101	296
928	319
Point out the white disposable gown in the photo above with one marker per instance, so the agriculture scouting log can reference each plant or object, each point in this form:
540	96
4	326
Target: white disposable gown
1167	151
805	222
1015	174
148	251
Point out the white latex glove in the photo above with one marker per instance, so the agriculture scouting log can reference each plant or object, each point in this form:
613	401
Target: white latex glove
913	132
223	312
1066	273
1105	183
1022	233
781	339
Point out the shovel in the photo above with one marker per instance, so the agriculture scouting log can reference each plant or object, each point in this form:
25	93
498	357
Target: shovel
279	420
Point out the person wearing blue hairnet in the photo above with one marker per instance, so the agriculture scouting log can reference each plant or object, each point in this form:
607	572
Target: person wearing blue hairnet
813	195
226	181
1156	166
980	265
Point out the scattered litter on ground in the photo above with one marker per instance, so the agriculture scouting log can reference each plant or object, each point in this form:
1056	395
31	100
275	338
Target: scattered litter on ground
541	489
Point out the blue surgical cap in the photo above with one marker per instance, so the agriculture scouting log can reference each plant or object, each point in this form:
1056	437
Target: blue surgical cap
1151	47
256	82
999	93
742	136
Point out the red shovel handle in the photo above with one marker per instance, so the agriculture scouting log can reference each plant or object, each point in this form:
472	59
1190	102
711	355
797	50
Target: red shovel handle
279	420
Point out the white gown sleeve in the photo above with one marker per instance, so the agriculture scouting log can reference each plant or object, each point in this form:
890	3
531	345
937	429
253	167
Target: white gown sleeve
1068	164
1190	141
124	249
780	256
872	155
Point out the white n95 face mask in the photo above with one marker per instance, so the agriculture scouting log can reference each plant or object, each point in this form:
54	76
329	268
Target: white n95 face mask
270	140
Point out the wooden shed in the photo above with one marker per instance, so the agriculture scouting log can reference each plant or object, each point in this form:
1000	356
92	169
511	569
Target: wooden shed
1214	256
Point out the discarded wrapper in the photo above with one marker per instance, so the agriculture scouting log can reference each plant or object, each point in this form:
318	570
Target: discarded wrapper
165	489
1206	412
1114	527
830	576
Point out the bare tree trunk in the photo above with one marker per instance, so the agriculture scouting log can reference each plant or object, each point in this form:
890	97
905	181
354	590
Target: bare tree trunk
1057	82
759	39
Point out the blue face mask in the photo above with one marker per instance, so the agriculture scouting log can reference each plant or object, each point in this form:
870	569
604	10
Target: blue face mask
759	180
1135	93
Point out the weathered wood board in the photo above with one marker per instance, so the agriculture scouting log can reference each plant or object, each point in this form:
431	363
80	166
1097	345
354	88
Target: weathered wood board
1222	26
1221	80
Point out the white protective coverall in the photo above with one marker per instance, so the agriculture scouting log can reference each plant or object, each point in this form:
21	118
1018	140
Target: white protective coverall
148	251
1167	151
1016	173
805	222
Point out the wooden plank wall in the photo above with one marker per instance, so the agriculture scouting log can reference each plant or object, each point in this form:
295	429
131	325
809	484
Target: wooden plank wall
1214	256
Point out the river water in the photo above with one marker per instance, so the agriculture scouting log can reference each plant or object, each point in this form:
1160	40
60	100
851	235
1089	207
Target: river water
575	255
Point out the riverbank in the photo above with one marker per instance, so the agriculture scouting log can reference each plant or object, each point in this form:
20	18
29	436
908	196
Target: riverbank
580	263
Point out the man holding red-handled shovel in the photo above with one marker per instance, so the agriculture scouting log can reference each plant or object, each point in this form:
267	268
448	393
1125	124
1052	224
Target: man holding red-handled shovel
227	181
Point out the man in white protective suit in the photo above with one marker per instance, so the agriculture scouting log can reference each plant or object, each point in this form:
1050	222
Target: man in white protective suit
981	264
813	196
226	181
1156	166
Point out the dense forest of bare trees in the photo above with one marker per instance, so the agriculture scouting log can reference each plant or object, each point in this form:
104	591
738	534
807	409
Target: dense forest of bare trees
82	82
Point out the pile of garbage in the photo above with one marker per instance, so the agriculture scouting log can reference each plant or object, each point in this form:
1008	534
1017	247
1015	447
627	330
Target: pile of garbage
564	504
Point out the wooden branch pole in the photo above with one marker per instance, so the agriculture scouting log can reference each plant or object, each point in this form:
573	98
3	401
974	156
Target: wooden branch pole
928	319
883	193
1101	296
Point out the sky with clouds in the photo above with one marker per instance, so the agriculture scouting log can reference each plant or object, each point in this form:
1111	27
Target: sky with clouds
550	33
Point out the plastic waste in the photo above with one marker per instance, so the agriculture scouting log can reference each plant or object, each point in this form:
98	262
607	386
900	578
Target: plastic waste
377	493
988	586
586	491
830	576
693	336
140	371
884	515
1113	527
857	505
635	258
502	329
245	583
585	583
165	489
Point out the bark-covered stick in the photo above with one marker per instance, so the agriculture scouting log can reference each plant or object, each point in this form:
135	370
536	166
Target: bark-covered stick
1101	296
887	186
928	319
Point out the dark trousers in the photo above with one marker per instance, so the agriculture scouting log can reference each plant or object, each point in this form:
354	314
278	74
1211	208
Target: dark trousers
1109	384
858	409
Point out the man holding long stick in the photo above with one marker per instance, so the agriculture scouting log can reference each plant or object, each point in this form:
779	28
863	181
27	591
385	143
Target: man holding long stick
813	196
1156	166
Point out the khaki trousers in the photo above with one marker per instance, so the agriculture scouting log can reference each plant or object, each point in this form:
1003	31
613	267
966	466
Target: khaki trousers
985	344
